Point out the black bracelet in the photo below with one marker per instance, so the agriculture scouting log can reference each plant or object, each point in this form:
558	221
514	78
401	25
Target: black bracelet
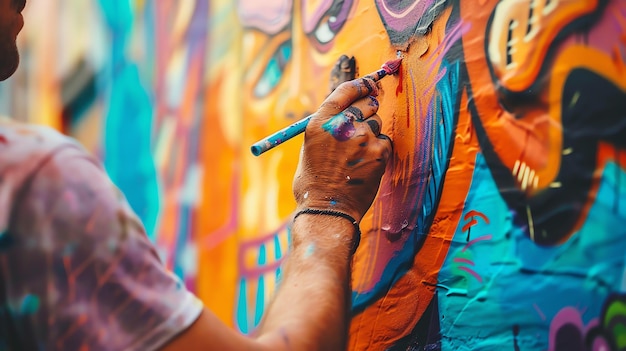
355	224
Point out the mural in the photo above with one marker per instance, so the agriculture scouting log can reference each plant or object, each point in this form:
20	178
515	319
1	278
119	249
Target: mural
499	222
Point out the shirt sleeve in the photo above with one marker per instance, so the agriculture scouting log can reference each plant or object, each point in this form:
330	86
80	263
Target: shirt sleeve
82	259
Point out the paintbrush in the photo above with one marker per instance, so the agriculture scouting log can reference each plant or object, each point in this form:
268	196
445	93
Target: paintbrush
270	142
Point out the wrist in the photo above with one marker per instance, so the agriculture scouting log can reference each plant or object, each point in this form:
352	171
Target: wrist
340	203
325	229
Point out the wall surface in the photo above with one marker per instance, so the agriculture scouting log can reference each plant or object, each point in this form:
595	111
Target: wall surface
499	224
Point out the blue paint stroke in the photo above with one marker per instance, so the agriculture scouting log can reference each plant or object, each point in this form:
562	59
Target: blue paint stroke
260	295
525	284
127	152
277	255
242	308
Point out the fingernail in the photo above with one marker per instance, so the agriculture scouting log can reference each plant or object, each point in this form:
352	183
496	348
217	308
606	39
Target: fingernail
374	101
374	126
354	112
372	89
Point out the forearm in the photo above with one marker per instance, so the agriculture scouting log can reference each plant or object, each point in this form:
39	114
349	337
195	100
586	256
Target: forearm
311	308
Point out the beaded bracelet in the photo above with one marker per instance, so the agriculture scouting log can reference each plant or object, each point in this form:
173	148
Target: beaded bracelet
357	230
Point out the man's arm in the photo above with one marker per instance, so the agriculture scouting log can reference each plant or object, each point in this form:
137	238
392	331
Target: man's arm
342	161
310	309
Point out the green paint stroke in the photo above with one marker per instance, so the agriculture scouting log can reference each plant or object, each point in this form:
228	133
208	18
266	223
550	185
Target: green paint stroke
30	304
615	312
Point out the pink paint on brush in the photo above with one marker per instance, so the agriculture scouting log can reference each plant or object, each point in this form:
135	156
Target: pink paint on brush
391	66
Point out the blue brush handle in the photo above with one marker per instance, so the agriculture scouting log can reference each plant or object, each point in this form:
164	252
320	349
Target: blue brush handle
296	128
280	137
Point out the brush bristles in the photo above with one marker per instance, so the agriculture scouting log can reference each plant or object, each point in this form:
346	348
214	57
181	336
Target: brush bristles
392	66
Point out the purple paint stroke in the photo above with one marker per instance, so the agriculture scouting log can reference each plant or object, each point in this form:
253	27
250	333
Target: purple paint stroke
567	315
417	177
420	187
269	16
400	18
436	81
464	260
341	127
424	159
473	273
454	35
393	218
342	16
539	312
311	21
482	238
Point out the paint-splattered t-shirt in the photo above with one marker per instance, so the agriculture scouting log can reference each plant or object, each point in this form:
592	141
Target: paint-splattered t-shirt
77	271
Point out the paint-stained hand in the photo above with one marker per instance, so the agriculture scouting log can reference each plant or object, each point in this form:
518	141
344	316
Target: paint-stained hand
344	155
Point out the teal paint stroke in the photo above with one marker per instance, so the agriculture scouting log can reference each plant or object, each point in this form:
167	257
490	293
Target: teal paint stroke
277	256
127	152
242	308
260	295
525	284
248	315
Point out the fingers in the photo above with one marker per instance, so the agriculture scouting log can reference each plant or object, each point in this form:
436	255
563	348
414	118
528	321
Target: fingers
367	105
386	147
375	124
381	144
346	94
376	76
342	125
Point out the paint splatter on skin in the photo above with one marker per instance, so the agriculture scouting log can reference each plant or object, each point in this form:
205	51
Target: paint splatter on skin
310	250
283	333
356	181
373	101
30	304
364	83
354	112
341	126
6	241
333	202
355	162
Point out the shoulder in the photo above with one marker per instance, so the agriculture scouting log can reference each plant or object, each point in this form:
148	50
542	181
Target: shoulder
24	149
22	144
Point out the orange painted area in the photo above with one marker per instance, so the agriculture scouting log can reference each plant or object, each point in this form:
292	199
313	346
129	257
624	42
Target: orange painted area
410	104
523	136
216	225
522	33
513	59
396	314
